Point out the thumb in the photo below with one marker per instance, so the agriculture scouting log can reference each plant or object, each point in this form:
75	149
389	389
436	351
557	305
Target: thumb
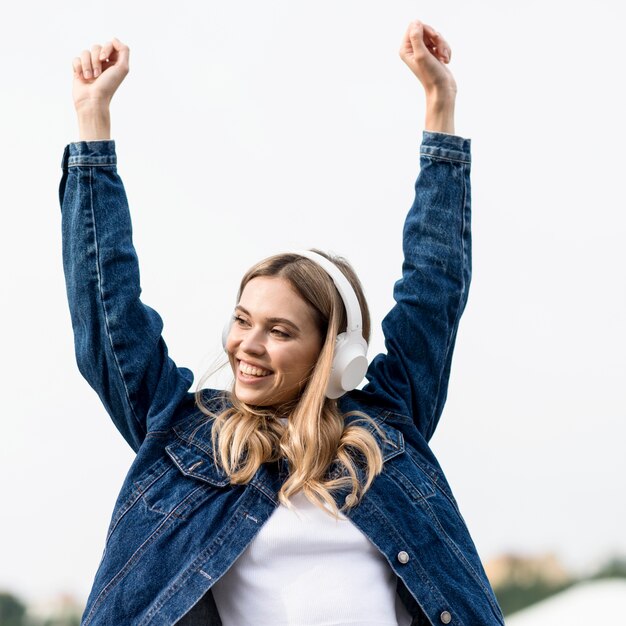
122	49
115	51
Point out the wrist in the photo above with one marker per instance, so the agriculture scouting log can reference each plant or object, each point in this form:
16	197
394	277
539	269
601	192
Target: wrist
440	111
94	122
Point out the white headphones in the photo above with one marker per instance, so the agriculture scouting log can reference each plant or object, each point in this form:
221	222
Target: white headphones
350	360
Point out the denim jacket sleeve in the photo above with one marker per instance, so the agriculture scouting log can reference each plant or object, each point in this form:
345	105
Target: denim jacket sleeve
420	330
117	338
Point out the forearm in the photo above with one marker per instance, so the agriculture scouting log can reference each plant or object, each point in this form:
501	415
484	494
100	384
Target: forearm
420	330
119	348
101	274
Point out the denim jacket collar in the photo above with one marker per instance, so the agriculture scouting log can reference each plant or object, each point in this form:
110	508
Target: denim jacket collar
192	452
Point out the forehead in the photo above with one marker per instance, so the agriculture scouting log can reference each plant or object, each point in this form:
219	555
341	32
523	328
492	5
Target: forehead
272	296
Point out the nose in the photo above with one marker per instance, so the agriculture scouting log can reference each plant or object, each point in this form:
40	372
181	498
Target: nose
253	341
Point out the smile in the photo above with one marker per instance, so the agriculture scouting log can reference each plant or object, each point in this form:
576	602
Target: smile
253	370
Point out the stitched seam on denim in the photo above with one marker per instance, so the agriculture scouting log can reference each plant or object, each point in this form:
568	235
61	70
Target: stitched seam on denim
439	157
137	494
104	309
457	316
459	553
435	154
157	434
398	448
410	486
73	163
167	521
396	415
449	499
258	484
125	508
178	583
184	508
416	568
155	479
181	466
173	589
183	437
433	474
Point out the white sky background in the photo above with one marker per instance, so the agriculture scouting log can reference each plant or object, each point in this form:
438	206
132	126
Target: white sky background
247	128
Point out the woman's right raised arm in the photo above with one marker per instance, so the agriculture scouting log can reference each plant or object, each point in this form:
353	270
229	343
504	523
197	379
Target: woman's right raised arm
118	342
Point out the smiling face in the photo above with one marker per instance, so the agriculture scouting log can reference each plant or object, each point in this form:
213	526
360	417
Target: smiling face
273	343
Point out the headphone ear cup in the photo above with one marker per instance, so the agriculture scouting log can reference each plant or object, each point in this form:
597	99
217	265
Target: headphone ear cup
226	332
349	364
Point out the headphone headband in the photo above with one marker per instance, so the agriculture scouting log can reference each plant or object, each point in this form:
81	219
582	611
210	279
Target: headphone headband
345	289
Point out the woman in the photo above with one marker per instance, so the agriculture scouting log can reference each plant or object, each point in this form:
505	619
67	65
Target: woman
293	498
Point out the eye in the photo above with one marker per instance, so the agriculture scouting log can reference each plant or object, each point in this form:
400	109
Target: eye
240	321
279	333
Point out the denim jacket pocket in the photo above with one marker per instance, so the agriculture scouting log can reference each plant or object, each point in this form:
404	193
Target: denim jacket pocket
196	462
165	491
392	444
179	480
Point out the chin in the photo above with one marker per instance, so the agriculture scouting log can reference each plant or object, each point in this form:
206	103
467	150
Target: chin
250	397
264	400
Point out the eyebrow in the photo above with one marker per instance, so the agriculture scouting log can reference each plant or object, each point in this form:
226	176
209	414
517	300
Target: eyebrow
271	320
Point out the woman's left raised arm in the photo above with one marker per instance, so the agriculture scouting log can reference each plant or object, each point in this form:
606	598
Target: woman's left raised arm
420	330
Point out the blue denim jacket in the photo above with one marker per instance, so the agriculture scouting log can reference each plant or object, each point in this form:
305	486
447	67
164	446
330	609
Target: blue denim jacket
178	525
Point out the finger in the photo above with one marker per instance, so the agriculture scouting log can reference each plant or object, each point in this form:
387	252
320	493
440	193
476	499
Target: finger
77	66
443	50
85	59
96	65
105	51
123	52
437	44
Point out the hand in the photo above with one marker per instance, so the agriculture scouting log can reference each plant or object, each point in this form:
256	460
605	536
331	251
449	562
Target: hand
427	53
98	73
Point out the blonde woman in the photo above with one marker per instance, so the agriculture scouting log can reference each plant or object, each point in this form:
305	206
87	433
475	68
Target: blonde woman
293	497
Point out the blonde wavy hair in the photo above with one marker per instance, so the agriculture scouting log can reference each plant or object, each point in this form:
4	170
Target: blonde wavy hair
314	435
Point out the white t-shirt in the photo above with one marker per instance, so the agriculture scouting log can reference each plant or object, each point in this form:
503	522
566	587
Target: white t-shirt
305	568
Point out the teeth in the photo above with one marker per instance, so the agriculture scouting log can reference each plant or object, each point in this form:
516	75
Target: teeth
250	370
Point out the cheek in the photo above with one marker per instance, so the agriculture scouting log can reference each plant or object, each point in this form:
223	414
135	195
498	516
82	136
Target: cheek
230	339
307	359
287	361
228	344
231	348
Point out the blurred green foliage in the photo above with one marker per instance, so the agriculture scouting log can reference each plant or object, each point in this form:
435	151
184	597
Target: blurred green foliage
12	611
615	568
514	596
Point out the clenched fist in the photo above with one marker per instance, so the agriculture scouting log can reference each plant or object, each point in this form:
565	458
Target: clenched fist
427	54
98	73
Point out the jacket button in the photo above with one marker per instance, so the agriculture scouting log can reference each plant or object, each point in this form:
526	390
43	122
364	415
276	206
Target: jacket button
403	557
350	499
445	617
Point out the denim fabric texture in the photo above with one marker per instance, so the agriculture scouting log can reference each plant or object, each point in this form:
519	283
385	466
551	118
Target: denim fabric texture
178	525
